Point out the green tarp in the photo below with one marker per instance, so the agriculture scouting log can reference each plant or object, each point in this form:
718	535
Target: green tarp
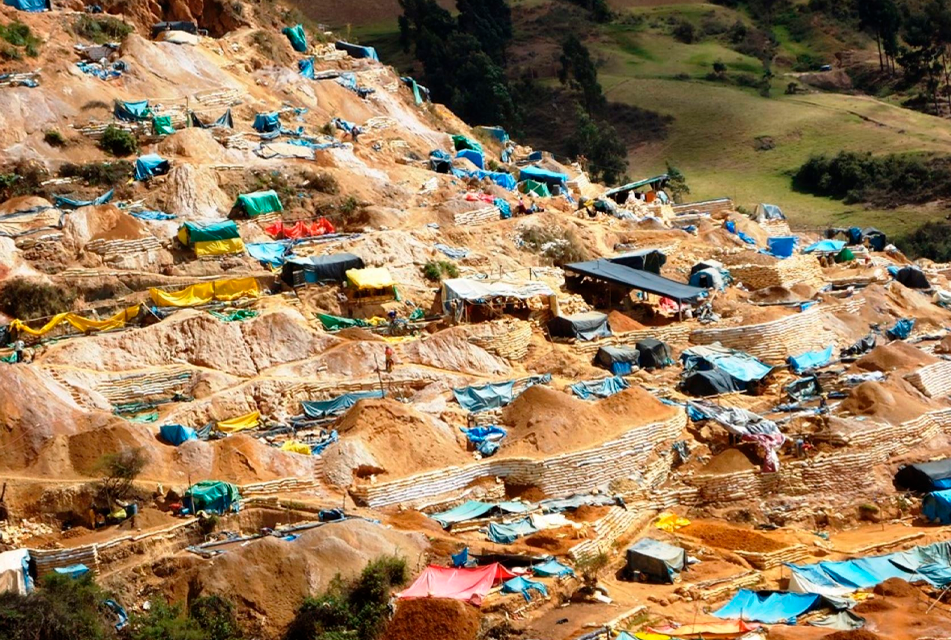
212	496
226	230
162	126
462	142
332	323
297	36
535	188
845	255
239	315
259	203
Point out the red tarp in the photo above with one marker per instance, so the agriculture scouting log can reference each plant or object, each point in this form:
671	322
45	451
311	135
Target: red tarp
300	229
468	585
480	197
725	628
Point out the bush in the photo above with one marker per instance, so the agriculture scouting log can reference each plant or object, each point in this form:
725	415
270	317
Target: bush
31	299
349	206
119	473
273	181
98	174
684	32
25	178
63	609
325	183
163	622
17	34
118	142
101	28
558	246
215	616
54	138
931	240
436	270
676	183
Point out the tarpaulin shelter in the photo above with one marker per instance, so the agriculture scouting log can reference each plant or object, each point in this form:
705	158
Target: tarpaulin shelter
86	325
205	292
925	476
618	360
240	423
162	125
770	607
551	569
468	585
225	121
913	278
707	279
461	142
741	367
318	409
297	36
603	388
474	509
73	571
811	359
836	579
440	161
590	325
216	238
211	496
177	434
486	439
356	51
300	229
420	93
508	533
259	203
313	270
501	178
372	280
268	253
624	276
825	246
876	239
475	157
150	165
901	329
180	25
764	212
493	395
531	187
654	354
845	255
936	506
520	584
136	111
64	202
552	179
267	122
622	193
644	259
781	246
29	5
496	132
736	420
708	383
655	560
14	572
480	292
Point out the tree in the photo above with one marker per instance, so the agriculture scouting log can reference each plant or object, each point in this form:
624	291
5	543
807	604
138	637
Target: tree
215	616
63	609
600	145
676	183
883	19
578	72
164	622
490	22
120	471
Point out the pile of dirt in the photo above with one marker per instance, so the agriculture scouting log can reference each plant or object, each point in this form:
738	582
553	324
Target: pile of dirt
728	461
193	193
193	143
774	294
945	345
587	513
874	605
896	588
734	538
894	356
893	401
543	420
854	634
451	350
434	619
103	222
385	437
356	333
621	323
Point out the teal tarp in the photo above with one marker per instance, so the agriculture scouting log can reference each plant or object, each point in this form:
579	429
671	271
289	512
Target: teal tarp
327	408
520	584
297	36
811	359
149	166
936	506
212	496
825	246
259	203
473	510
544	176
28	5
509	533
132	111
177	434
267	122
64	202
493	395
356	51
270	253
74	571
604	388
462	142
225	230
770	607
551	569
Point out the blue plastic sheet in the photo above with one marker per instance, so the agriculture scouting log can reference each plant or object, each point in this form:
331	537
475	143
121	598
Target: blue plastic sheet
132	111
270	253
460	559
356	51
177	434
348	80
472	156
149	166
901	329
781	246
936	506
522	585
849	574
267	122
549	178
486	439
604	388
306	68
505	210
451	252
74	571
811	359
504	180
28	5
64	202
122	617
474	509
297	37
770	607
496	132
152	215
509	533
552	569
739	366
825	246
327	408
493	395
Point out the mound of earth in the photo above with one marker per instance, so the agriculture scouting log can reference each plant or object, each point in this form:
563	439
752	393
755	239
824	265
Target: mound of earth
433	619
386	438
543	420
103	222
193	193
729	461
893	356
620	323
895	587
23	203
451	350
733	538
894	401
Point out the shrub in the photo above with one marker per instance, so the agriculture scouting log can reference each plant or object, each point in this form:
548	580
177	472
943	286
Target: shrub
119	473
63	609
118	142
684	32
31	299
54	138
349	206
677	183
17	34
101	28
99	174
275	181
163	622
436	270
325	183
215	616
931	240
22	179
556	245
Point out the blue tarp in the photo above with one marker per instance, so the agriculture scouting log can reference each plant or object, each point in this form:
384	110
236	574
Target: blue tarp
493	395
825	246
901	329
74	571
122	617
149	166
177	434
738	365
496	132
504	180
936	506
327	408
132	111
356	51
473	510
781	246
849	574
606	387
551	569
297	36
486	439
152	215
472	156
348	80
28	5
770	607
64	202
549	178
938	575
509	533
267	122
460	559
505	211
306	68
811	359
270	253
522	585
456	253
745	238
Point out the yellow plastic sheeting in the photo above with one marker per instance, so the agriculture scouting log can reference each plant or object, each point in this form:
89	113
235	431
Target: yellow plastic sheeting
646	635
83	324
205	292
296	447
219	247
670	522
376	278
241	423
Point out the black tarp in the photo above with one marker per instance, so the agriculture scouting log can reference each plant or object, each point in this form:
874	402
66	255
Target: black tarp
655	560
925	476
712	382
224	121
912	278
582	326
332	268
876	239
857	348
645	260
654	354
618	274
187	27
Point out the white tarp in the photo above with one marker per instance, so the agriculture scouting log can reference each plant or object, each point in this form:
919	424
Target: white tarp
12	577
481	292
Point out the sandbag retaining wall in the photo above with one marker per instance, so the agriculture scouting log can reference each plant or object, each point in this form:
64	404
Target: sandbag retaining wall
720	205
933	380
783	273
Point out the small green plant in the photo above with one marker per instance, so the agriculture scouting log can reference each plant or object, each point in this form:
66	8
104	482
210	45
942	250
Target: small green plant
684	32
273	181
590	566
54	138
25	178
349	206
18	35
325	183
118	142
98	174
29	299
101	28
436	270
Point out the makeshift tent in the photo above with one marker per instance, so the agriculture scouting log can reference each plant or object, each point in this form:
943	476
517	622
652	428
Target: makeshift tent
224	121
580	326
132	111
475	157
217	238
736	420
211	496
177	434
551	569
267	122
522	585
901	329
825	246
531	187
149	166
205	292
461	142
481	292
420	93
73	571
312	270
240	423
496	132
913	278
268	253
162	126
493	395
622	193
845	255
781	246
14	572
356	51
501	178
604	388
370	279
297	36
259	203
877	240
655	561
707	279
473	510
468	585
318	409
771	607
607	271
936	506
300	229
741	367
552	179
29	5
811	359
654	354
645	260
439	161
86	325
925	476
764	212
618	360
508	533
857	348
708	383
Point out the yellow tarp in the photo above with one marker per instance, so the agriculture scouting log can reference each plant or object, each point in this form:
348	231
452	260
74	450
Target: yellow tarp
646	635
219	247
205	292
241	423
296	447
670	522
83	324
376	278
